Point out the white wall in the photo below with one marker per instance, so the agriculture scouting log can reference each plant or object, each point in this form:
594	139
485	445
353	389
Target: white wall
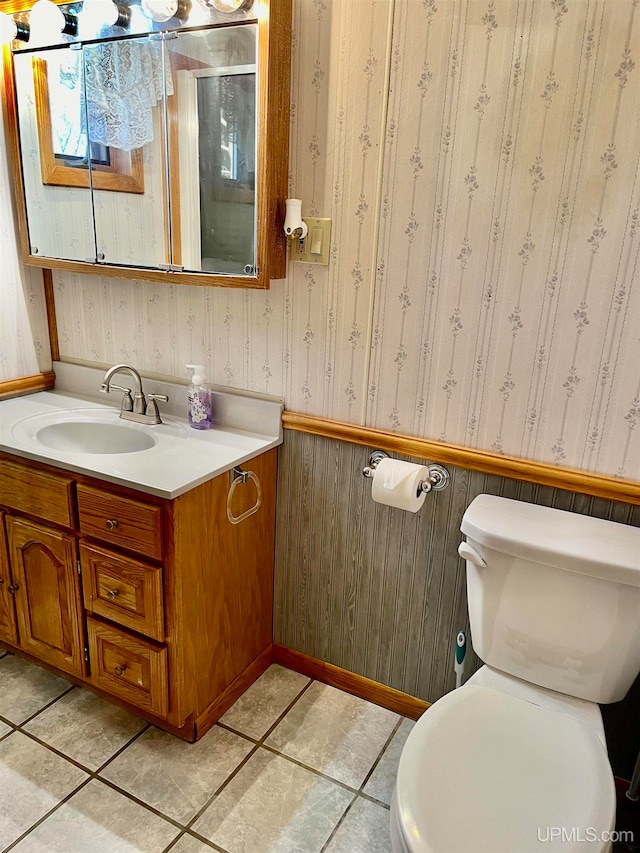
480	161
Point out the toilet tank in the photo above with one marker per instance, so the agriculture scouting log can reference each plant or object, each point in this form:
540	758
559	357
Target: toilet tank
557	602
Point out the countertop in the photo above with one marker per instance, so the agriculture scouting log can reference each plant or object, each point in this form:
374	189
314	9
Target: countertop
181	457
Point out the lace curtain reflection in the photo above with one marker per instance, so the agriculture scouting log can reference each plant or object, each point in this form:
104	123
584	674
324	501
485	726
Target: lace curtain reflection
124	81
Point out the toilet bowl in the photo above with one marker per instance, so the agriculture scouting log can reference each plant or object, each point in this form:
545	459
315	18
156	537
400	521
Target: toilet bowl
499	766
515	761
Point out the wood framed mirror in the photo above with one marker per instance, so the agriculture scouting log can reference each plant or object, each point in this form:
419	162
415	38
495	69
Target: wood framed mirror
211	194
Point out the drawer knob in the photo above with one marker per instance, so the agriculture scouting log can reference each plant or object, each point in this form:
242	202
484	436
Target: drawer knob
120	668
13	588
112	524
113	594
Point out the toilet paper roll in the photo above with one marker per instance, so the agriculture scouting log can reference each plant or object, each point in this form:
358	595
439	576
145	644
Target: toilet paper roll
397	483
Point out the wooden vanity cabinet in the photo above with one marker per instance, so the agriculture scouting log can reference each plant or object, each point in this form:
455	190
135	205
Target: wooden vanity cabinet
8	631
47	594
163	605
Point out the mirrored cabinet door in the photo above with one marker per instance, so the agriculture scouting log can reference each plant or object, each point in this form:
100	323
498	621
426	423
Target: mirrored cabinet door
126	86
213	150
55	153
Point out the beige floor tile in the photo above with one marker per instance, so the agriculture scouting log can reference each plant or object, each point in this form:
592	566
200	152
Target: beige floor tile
176	777
364	830
381	783
26	688
189	844
258	709
32	780
4	729
100	820
85	727
274	806
334	732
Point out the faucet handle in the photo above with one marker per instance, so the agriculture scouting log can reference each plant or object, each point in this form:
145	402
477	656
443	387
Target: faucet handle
152	406
127	401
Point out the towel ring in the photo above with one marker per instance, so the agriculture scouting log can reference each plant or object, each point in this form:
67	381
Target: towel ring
240	476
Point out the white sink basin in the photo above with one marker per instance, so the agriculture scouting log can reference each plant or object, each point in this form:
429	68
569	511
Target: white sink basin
93	437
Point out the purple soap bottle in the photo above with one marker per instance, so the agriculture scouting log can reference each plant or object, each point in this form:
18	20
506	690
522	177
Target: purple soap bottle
199	396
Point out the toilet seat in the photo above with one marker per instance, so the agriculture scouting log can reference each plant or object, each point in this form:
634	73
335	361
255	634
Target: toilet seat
488	772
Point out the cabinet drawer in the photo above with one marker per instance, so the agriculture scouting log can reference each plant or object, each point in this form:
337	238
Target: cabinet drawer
128	667
41	493
123	590
121	521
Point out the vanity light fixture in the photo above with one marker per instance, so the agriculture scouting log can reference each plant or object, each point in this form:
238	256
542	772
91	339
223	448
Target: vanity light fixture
162	11
46	18
97	14
231	5
11	30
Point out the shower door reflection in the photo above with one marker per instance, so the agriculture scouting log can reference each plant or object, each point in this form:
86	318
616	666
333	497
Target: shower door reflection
216	227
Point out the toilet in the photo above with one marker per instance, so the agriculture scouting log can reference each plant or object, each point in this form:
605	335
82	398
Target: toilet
516	759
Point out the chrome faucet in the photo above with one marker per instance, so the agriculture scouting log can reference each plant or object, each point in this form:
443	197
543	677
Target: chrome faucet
141	409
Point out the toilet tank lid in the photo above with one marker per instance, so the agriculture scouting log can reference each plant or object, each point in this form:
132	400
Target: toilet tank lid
553	537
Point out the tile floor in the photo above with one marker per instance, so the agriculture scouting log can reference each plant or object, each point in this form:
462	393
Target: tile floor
294	766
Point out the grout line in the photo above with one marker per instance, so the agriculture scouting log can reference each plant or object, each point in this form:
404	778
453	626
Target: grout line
140	802
47	815
186	829
44	707
257	744
208	841
91	775
338	824
115	755
365	796
382	752
313	770
185	834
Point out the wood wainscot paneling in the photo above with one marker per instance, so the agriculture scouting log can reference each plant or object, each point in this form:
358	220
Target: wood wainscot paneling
372	590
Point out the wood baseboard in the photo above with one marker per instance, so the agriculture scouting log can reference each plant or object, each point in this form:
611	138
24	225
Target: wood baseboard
27	384
350	682
544	474
237	687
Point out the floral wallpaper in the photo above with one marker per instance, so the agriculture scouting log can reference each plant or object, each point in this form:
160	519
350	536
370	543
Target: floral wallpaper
480	160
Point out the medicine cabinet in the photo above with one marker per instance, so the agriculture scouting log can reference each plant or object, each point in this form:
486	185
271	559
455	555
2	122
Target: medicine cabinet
158	155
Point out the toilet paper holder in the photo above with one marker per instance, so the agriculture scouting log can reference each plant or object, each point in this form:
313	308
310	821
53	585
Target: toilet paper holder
438	475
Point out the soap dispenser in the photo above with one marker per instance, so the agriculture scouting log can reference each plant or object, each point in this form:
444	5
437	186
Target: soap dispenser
199	397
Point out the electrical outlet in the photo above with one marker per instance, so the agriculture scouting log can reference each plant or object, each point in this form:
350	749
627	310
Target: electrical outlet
314	249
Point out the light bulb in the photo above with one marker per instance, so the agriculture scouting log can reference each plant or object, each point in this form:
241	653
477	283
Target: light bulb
97	14
162	11
48	20
199	15
231	5
8	28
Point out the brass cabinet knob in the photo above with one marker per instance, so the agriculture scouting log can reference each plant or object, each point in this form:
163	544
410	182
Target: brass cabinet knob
120	668
112	524
113	593
13	588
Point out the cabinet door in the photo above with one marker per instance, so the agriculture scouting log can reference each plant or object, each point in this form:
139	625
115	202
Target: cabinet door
47	594
7	613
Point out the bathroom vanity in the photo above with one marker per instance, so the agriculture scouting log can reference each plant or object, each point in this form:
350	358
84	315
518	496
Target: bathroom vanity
138	585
